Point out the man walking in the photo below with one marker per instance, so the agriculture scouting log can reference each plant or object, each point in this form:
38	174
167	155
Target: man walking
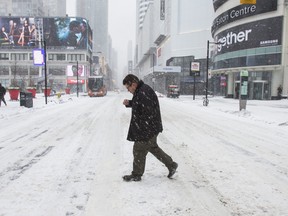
145	125
2	94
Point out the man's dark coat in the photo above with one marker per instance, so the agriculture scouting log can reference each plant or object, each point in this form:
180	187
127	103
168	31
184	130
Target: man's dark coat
146	117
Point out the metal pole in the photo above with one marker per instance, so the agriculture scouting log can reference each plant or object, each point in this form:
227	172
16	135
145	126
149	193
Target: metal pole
153	80
194	85
207	68
77	75
45	71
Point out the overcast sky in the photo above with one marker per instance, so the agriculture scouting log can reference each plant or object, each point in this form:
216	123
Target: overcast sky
122	22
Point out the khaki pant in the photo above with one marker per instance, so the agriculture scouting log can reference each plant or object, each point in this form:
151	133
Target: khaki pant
141	149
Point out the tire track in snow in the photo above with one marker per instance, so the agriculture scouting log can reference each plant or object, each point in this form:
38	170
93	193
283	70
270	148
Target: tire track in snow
22	165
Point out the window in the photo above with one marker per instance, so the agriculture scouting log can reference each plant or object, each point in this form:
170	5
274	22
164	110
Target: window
4	70
34	71
4	56
19	56
56	57
60	57
76	57
57	71
22	70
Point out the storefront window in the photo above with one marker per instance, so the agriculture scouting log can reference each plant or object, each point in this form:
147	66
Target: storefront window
57	71
34	71
4	70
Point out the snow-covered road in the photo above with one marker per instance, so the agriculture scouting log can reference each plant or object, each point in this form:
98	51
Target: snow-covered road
67	158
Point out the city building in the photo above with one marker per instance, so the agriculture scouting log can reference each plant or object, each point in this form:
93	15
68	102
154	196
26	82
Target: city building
171	35
55	8
21	8
67	42
96	12
142	7
253	38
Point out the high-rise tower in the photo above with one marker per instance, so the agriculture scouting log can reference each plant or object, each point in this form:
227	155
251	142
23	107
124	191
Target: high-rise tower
21	8
96	12
142	6
55	8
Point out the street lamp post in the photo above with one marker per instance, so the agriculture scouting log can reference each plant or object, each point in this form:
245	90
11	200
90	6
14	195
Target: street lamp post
39	62
45	71
206	101
77	76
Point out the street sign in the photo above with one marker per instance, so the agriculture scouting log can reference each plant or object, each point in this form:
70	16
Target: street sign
38	57
195	69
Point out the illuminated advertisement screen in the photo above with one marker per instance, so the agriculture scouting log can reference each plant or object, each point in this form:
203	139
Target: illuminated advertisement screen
70	32
90	38
261	33
66	31
72	70
17	32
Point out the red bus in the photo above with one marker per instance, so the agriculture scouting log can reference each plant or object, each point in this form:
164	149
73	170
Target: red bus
96	86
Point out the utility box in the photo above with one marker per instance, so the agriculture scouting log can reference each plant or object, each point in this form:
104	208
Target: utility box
26	99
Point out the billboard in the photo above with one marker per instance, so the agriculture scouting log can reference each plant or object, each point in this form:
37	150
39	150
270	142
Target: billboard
72	70
261	33
17	31
243	11
67	31
71	32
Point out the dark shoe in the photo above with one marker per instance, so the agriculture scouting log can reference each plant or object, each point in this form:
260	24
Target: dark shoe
172	170
131	178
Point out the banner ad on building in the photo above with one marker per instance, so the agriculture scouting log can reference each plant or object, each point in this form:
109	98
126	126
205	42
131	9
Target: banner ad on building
74	33
162	10
17	32
66	31
243	11
74	81
261	33
72	70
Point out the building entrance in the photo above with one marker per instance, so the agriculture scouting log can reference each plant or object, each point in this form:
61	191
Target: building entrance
260	90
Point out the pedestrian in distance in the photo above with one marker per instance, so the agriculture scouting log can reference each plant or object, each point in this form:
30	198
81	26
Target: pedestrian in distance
145	125
2	94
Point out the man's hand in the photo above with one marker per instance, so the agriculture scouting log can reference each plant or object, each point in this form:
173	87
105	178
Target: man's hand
126	102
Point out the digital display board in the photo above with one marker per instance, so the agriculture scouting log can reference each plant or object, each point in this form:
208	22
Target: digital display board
261	33
66	31
71	32
72	70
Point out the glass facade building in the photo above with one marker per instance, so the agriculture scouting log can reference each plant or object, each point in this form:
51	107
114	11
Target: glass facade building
252	38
